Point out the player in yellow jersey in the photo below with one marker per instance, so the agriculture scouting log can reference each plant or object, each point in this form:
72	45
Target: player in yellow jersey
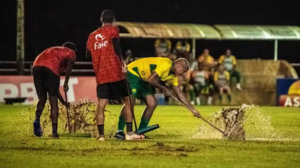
221	78
229	62
183	49
162	47
144	75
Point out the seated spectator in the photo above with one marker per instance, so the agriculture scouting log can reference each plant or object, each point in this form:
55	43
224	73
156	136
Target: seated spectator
185	86
207	60
200	82
229	62
182	49
208	63
221	78
162	47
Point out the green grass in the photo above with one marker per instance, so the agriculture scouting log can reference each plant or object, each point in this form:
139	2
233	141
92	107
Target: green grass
173	145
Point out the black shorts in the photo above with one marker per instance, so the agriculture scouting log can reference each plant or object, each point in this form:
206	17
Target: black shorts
45	81
113	90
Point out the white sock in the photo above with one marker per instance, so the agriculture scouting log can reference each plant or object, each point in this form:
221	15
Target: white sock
198	100
209	100
238	86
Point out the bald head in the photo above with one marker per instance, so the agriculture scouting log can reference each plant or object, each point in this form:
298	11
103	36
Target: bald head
181	66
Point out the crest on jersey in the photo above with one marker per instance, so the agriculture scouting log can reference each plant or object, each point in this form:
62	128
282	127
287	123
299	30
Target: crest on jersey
99	36
100	42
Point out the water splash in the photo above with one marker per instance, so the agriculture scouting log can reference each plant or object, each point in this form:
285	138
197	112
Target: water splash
82	119
239	123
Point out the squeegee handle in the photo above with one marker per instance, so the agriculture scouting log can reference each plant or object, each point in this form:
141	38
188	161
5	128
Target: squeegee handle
200	116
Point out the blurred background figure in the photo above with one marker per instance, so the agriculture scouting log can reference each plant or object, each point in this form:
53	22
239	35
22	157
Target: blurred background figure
162	47
187	87
172	56
208	63
182	49
206	60
221	78
129	57
200	83
229	62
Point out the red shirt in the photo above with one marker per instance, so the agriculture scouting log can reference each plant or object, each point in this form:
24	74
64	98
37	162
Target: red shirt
54	58
106	63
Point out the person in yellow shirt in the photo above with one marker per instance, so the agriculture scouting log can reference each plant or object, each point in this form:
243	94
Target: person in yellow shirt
144	75
200	79
206	60
208	63
229	62
186	86
221	78
183	49
162	47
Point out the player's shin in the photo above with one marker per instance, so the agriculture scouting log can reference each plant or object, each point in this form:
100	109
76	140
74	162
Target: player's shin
121	123
54	115
220	97
192	95
100	116
229	97
40	107
144	123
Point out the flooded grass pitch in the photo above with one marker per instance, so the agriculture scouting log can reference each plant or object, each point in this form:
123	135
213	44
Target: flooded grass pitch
246	122
172	146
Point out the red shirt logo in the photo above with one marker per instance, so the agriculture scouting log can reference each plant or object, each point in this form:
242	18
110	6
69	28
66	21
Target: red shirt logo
99	42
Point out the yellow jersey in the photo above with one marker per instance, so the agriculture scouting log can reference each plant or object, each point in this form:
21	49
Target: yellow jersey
228	62
182	48
143	68
209	59
165	46
206	59
221	79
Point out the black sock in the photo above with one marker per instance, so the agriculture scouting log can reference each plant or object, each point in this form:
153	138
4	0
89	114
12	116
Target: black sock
101	130
229	97
37	118
37	115
129	126
54	128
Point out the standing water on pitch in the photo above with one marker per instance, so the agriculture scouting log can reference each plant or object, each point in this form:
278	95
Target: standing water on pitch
239	123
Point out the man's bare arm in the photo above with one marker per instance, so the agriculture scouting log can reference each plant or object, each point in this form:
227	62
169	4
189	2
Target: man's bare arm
88	54
183	99
154	81
70	63
117	48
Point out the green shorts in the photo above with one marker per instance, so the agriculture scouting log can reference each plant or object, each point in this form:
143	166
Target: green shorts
201	89
140	89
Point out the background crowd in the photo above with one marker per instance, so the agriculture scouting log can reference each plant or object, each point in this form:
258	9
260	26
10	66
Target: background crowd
207	76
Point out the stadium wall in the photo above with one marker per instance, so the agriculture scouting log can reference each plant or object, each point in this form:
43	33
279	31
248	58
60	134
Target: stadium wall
23	86
259	79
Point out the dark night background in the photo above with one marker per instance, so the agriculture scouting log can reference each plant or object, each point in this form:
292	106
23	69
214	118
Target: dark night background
52	22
